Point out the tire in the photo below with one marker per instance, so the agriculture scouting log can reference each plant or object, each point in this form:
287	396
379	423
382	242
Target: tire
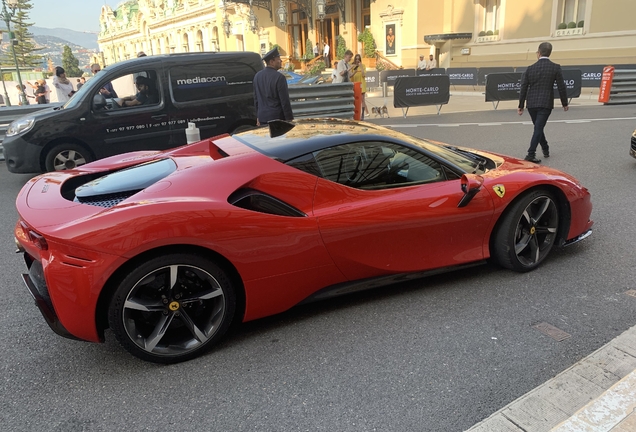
172	308
66	156
527	232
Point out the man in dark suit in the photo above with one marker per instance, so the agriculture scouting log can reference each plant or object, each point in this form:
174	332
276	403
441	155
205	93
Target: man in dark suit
271	95
537	88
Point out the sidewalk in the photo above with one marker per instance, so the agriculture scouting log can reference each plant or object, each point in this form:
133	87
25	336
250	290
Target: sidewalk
597	394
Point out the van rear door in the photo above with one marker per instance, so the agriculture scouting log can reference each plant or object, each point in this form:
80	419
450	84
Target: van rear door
135	117
216	94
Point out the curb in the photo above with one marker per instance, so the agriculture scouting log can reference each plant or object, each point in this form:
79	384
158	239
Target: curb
579	398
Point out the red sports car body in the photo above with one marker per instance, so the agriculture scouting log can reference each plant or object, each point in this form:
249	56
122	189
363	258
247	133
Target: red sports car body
168	248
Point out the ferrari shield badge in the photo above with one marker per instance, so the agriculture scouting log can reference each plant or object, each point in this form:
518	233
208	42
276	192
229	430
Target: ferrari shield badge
500	190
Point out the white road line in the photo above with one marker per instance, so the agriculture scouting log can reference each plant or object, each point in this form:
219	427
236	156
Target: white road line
525	123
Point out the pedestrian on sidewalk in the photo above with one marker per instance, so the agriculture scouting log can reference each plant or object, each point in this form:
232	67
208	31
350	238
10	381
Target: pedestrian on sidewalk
271	95
358	73
325	54
342	68
63	87
537	90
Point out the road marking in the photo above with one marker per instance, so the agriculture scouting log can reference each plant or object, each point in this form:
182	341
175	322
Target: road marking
525	123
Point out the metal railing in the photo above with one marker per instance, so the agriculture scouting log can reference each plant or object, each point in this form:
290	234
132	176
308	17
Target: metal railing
623	89
323	100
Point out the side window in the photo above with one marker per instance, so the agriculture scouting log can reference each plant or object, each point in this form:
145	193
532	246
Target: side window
194	82
371	165
132	90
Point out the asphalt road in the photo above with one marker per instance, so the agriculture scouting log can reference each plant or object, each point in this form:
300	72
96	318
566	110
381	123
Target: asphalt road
437	354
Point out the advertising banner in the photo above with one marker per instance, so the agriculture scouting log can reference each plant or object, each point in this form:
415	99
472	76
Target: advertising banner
462	76
389	76
572	79
606	84
590	74
481	74
421	91
506	86
435	71
503	86
373	79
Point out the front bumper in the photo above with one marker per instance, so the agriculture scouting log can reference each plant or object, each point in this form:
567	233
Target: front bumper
35	283
21	156
578	238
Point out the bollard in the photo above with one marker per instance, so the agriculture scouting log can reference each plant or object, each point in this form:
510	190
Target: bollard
357	101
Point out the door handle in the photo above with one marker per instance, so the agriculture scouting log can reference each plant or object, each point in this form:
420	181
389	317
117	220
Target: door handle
159	117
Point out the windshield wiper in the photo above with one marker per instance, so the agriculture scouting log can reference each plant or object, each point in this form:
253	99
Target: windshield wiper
479	160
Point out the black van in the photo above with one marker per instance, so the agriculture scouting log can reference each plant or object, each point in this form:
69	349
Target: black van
213	90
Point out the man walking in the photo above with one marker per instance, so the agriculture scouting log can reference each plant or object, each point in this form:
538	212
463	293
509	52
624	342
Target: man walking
271	95
537	87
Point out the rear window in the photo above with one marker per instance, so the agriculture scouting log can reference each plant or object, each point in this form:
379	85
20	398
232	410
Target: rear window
194	82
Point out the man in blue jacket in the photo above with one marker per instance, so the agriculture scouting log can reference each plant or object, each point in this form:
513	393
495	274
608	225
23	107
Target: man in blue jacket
271	95
537	90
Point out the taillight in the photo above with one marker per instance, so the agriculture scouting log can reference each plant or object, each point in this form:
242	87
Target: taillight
38	239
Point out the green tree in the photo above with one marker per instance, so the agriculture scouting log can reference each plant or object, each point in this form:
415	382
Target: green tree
25	49
341	47
70	63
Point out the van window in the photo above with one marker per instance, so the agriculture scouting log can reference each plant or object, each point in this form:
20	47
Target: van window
200	81
123	92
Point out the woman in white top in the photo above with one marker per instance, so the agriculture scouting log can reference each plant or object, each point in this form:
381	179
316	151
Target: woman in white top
63	87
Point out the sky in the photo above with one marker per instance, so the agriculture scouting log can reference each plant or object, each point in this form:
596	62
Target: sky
79	15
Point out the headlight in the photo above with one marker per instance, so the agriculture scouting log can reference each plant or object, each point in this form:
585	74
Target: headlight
20	126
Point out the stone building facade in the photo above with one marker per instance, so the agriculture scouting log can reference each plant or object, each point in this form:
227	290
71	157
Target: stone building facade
458	32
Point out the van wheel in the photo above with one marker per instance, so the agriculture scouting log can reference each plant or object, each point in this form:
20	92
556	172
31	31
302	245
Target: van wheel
66	156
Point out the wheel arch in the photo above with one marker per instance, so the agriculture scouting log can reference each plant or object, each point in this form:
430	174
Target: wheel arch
101	311
49	145
564	213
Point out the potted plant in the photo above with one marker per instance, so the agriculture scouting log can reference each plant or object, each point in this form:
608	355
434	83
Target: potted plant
580	24
571	25
368	48
562	26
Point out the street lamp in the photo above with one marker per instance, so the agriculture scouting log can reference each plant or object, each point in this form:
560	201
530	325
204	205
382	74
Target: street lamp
227	25
253	20
321	8
282	13
7	16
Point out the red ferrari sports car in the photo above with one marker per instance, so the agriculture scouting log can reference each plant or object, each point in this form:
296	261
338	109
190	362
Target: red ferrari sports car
169	248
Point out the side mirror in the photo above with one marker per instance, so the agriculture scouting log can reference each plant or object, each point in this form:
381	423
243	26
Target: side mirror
471	184
99	102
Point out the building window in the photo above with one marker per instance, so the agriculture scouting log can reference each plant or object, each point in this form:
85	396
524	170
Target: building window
366	13
571	11
490	16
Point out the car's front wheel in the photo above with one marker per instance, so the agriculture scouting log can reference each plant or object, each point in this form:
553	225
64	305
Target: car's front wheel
172	308
66	156
527	232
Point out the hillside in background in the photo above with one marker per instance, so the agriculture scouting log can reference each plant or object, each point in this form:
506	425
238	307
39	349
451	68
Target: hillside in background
52	41
85	40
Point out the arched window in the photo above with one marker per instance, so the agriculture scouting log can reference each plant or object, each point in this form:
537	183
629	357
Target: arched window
186	43
200	41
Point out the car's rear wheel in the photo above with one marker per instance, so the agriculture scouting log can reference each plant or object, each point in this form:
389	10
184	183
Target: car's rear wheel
172	308
527	232
66	156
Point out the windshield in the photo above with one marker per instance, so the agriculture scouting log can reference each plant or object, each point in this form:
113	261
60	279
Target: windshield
79	95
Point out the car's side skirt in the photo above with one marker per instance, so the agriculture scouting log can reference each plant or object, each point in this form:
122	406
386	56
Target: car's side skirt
370	283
